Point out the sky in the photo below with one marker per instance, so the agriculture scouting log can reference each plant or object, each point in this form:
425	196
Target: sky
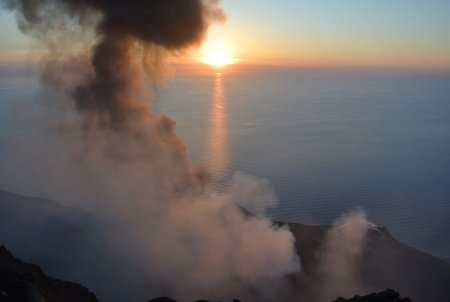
392	33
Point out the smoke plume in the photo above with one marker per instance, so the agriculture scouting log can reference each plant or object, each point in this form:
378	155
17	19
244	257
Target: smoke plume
341	256
161	232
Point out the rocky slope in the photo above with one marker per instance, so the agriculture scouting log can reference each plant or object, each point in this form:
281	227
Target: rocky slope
46	233
385	263
24	282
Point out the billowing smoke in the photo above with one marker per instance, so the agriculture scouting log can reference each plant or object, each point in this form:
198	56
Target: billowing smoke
341	256
130	41
161	232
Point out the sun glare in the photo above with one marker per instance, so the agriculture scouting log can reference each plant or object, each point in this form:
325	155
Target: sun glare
216	53
218	59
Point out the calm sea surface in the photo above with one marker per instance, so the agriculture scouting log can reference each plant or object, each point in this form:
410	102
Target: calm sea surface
329	141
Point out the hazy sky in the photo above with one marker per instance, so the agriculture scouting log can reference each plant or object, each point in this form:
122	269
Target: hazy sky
413	33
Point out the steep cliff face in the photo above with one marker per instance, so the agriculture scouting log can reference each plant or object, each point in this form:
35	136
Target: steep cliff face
24	282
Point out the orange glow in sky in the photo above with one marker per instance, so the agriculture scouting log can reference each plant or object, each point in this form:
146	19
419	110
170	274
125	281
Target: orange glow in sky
384	33
217	51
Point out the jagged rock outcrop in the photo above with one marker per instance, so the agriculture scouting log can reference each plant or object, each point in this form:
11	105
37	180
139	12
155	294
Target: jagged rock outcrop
24	282
388	295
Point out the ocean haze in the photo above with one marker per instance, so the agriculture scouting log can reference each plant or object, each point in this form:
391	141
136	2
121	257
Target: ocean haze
328	140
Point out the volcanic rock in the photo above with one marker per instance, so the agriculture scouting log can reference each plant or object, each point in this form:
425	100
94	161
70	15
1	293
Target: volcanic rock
385	263
162	299
38	230
388	295
24	282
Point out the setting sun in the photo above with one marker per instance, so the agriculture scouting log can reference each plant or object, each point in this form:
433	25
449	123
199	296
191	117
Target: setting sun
217	51
218	59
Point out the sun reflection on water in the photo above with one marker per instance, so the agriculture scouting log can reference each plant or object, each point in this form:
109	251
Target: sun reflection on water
218	146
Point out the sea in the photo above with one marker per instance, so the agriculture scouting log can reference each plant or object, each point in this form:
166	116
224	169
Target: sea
329	140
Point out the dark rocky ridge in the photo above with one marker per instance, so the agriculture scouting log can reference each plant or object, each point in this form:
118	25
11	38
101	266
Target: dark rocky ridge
388	295
167	299
21	281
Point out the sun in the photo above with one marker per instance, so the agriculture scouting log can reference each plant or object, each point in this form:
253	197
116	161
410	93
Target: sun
216	53
218	59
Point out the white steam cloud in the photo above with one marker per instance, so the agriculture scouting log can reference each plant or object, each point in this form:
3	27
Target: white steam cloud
341	256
